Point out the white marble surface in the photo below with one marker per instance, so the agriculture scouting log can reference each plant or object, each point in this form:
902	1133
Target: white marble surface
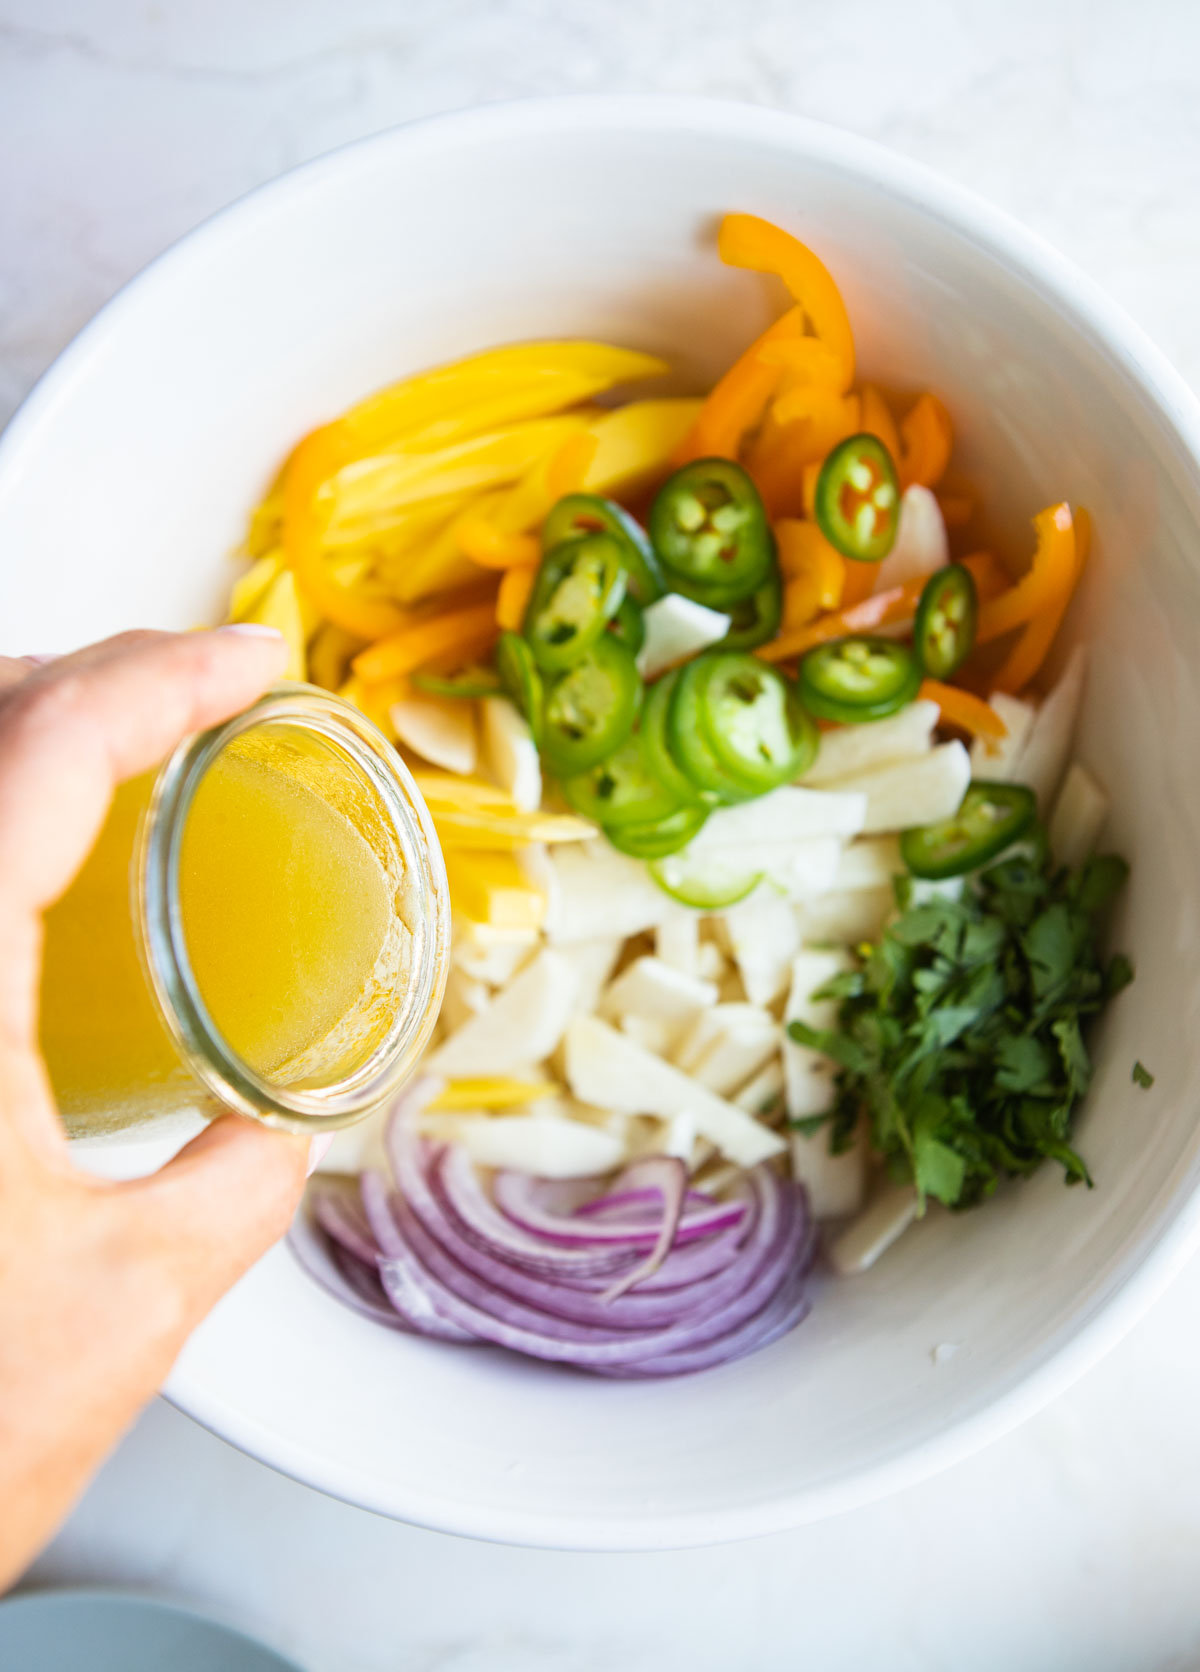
1076	1541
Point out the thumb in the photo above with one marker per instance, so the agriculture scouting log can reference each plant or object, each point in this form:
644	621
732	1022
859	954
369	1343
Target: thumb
222	1202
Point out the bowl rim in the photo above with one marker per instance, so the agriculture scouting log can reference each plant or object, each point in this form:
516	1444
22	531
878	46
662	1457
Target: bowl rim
1033	262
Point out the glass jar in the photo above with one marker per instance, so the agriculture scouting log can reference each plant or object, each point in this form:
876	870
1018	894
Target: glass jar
264	922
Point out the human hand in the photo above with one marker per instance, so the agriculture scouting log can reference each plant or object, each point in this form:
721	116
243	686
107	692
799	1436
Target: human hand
101	1283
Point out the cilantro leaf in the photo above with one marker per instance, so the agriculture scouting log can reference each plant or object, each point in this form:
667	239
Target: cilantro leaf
1142	1076
1074	1055
960	1035
1023	1062
938	1170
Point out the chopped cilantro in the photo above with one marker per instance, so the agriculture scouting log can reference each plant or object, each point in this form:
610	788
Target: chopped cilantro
1142	1076
961	1033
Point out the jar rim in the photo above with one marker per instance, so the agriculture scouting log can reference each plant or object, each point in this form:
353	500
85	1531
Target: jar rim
156	908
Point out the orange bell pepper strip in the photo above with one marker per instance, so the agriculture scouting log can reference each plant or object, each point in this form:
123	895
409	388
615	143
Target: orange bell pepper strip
806	362
748	241
319	456
512	599
804	551
466	632
831	417
963	709
778	459
990	576
485	544
957	509
860	582
813	572
570	465
737	402
882	609
1025	658
1050	576
877	420
808	484
927	437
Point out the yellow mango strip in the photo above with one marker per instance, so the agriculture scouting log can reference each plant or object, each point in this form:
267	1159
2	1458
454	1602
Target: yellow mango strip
281	607
351	569
329	655
927	437
513	510
492	888
617	452
398	478
463	633
814	573
319	456
1051	574
737	402
554	371
546	399
458	828
521	508
493	545
394	529
448	789
266	523
249	588
491	1092
877	420
512	600
749	241
636	443
1025	659
266	519
423	572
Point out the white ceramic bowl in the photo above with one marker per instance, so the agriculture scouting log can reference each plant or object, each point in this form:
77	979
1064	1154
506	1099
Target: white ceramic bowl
126	479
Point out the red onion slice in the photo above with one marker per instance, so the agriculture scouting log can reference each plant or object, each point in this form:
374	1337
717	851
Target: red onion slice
475	1306
648	1279
514	1197
668	1176
781	1314
422	1190
340	1274
466	1199
336	1206
490	1230
411	1298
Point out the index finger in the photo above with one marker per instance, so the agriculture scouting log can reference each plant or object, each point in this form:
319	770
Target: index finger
74	729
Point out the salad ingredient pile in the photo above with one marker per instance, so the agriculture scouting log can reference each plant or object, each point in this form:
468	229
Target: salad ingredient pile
774	889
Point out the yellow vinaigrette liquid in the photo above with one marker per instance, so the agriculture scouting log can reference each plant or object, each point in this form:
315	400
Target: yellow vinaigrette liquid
293	909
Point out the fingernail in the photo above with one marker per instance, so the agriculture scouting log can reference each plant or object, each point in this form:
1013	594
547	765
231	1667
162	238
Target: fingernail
318	1149
252	630
40	658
